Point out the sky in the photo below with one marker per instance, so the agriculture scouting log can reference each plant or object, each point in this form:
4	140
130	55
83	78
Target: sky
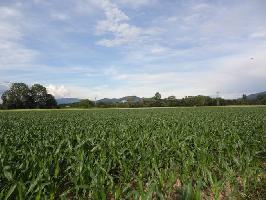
113	48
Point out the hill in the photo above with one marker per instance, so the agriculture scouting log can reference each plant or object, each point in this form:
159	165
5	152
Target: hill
254	96
67	100
119	100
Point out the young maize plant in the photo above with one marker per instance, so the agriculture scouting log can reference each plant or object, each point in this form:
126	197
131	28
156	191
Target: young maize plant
168	153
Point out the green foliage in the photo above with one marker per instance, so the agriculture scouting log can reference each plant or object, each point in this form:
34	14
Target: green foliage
39	95
198	101
85	104
176	153
262	99
157	96
171	98
171	101
21	96
18	96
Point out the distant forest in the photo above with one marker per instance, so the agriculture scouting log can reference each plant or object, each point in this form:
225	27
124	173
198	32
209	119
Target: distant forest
171	101
21	96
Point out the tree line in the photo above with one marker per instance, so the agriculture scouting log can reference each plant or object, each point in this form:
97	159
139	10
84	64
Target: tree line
171	101
21	96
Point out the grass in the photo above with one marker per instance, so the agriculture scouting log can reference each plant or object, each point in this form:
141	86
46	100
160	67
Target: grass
167	153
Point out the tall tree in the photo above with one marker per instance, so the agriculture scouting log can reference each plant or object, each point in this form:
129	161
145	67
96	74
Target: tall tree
244	99
50	101
39	94
18	96
157	96
21	96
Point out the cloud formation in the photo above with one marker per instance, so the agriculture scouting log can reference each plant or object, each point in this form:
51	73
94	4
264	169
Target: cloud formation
13	53
104	48
117	24
58	91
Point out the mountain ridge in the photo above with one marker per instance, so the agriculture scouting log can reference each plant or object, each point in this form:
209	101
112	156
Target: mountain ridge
119	100
62	101
133	98
255	95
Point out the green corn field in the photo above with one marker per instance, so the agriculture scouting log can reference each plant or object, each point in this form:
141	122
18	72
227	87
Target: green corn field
167	153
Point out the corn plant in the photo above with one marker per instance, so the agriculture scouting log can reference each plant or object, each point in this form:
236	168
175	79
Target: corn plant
169	153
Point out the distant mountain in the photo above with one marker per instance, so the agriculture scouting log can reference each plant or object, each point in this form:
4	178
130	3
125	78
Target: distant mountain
67	100
119	100
108	101
254	96
131	98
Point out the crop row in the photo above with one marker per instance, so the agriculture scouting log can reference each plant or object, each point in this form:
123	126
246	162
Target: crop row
190	153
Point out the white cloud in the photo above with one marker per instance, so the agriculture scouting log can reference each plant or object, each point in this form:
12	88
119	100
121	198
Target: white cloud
12	52
58	91
9	12
123	33
159	50
231	75
8	26
136	3
259	34
116	23
198	48
59	16
201	7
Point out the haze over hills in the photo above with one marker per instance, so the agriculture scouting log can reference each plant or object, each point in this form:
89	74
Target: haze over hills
116	100
61	101
254	96
130	98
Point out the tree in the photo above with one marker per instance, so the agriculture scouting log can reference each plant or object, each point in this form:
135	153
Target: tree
157	96
261	99
244	99
6	100
39	94
19	96
199	100
50	101
86	103
171	98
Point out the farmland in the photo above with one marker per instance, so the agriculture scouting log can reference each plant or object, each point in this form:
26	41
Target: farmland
168	153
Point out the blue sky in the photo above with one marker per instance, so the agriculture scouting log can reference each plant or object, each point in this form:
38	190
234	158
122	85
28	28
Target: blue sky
113	48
